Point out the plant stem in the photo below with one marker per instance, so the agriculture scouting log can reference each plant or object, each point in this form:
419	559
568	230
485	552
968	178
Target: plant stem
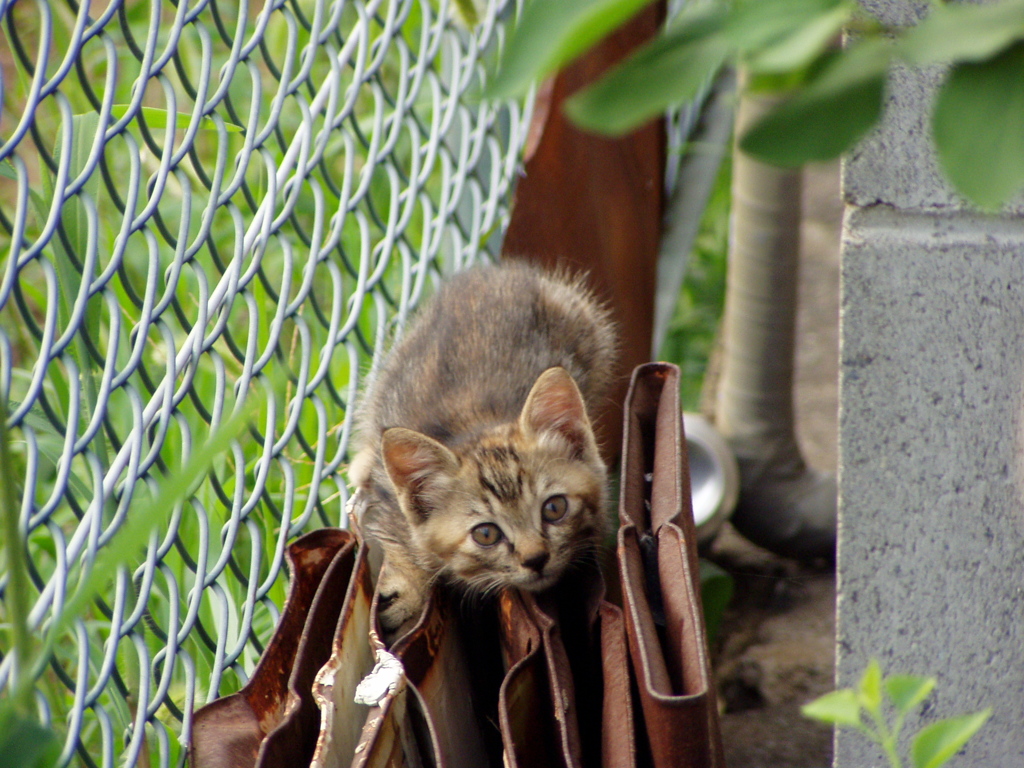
886	738
889	745
17	585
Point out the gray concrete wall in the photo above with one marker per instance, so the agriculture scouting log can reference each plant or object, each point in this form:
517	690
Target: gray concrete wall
931	557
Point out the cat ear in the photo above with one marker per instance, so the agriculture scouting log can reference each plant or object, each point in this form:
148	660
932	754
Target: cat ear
420	468
555	407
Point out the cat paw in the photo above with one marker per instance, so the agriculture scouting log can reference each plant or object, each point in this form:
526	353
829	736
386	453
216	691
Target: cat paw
401	594
397	615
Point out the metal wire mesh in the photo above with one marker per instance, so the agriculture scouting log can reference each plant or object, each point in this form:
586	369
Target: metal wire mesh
194	193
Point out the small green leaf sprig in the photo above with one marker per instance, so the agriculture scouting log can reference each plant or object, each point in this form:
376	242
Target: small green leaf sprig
865	707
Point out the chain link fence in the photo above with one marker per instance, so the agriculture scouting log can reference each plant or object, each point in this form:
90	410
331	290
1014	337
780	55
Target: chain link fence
195	195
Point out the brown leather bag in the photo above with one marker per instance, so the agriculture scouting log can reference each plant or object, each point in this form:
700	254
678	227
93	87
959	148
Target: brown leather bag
644	693
273	720
536	704
660	585
352	658
565	679
430	718
620	721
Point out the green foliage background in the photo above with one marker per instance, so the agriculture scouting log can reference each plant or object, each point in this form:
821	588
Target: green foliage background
693	331
834	96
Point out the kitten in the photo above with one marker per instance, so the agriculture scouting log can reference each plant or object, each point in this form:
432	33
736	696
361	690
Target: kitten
477	462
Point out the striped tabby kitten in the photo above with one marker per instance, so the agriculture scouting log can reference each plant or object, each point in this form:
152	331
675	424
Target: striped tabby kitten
477	463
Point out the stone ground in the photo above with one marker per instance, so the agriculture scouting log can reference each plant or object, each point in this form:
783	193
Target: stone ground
777	645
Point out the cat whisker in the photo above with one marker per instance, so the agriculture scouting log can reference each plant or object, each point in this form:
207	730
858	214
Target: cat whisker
479	590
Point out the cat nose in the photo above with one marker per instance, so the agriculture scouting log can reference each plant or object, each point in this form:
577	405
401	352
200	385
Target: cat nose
536	562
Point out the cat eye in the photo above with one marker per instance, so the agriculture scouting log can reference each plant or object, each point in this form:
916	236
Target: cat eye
554	508
487	534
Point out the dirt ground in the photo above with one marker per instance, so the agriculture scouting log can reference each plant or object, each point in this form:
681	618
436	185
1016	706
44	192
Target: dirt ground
777	645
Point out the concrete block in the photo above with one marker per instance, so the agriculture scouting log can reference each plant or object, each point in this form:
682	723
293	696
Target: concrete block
897	13
896	163
931	469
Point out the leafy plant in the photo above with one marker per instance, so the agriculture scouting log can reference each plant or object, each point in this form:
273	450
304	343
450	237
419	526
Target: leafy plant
716	589
878	707
24	741
835	96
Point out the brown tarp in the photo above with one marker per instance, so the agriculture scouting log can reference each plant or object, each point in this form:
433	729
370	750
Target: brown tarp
596	204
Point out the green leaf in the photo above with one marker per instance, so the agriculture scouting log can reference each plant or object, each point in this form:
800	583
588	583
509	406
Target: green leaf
467	11
75	225
174	489
39	206
785	82
803	45
24	743
35	418
938	742
716	588
837	708
827	117
978	125
757	24
869	690
550	33
134	534
7	170
50	443
16	601
668	70
964	32
85	131
907	691
159	118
